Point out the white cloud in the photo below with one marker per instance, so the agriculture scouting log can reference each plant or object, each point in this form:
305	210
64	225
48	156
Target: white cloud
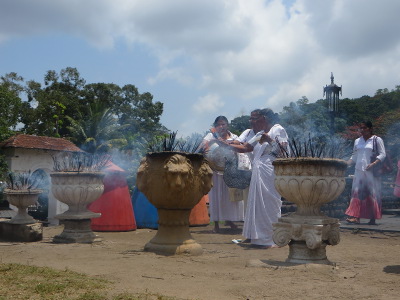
177	74
208	104
242	54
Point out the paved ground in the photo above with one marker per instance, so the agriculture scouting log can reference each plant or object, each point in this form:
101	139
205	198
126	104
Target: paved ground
390	222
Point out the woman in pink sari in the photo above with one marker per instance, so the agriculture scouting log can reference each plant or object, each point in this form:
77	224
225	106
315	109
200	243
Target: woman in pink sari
366	190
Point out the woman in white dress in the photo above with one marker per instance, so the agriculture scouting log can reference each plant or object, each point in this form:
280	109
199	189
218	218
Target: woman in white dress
264	202
366	189
220	205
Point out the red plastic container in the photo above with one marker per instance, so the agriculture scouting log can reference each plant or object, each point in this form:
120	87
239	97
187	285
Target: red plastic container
115	204
199	214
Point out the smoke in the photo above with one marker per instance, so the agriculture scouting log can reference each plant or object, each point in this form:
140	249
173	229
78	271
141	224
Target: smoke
310	133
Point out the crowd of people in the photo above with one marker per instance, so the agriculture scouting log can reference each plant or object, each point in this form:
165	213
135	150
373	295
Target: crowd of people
259	205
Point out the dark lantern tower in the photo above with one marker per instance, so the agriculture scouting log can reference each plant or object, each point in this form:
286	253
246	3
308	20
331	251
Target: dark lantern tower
332	98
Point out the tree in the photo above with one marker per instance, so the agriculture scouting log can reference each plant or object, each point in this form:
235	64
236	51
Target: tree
97	131
303	119
47	107
11	104
239	124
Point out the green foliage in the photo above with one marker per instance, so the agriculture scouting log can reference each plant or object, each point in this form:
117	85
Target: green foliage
3	168
98	117
239	124
302	119
98	130
11	104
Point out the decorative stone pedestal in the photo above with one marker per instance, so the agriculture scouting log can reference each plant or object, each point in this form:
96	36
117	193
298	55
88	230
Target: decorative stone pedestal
77	190
22	199
307	238
173	237
309	183
21	227
174	182
77	229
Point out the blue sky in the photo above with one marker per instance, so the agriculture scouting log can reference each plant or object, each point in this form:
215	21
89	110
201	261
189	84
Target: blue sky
204	58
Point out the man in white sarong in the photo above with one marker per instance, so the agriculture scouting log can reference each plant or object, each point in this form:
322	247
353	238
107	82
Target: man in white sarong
264	202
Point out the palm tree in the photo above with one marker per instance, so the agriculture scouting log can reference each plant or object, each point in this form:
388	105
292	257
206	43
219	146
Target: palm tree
98	131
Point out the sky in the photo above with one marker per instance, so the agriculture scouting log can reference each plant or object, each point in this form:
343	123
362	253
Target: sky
205	58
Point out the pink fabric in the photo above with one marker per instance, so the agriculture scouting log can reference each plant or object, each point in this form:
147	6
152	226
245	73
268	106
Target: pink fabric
367	209
365	201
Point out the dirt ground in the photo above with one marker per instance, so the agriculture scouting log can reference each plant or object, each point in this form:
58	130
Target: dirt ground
367	266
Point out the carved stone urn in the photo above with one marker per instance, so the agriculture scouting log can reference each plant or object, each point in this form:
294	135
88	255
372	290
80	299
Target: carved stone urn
22	199
309	183
77	190
174	182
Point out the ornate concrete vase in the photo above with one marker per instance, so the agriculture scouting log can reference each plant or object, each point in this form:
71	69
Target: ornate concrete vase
309	183
22	199
77	190
174	182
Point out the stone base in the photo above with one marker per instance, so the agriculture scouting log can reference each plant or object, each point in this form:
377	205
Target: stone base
76	231
299	253
307	237
173	234
20	232
171	240
189	247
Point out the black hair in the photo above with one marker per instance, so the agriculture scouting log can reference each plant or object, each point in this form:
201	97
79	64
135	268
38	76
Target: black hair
268	114
219	118
367	123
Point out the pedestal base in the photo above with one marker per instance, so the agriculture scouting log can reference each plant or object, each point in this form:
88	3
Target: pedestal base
299	253
307	237
173	235
22	218
189	247
76	231
20	232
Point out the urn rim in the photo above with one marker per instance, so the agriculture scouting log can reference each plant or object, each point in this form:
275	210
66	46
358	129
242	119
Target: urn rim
167	153
340	163
23	191
75	173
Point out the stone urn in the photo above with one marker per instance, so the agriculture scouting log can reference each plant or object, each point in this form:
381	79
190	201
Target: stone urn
77	190
174	182
309	183
22	199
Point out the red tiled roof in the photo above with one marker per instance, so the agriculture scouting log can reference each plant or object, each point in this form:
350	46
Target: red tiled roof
39	142
111	167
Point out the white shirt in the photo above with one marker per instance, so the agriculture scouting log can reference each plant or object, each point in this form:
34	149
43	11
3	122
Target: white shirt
362	151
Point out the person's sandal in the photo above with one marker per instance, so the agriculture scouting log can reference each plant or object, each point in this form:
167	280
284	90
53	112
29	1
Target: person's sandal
353	220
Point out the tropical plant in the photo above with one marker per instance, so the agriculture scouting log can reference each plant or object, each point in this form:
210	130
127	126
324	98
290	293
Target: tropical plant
79	162
23	180
98	131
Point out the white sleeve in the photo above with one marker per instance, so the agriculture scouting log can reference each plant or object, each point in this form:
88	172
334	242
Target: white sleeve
243	137
381	149
354	154
208	137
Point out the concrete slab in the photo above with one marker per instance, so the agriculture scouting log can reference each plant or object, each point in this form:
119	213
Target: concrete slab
20	232
388	223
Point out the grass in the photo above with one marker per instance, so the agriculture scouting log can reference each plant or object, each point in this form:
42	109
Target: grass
21	282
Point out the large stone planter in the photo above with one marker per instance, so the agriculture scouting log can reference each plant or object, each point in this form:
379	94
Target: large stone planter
309	183
77	190
22	199
174	183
